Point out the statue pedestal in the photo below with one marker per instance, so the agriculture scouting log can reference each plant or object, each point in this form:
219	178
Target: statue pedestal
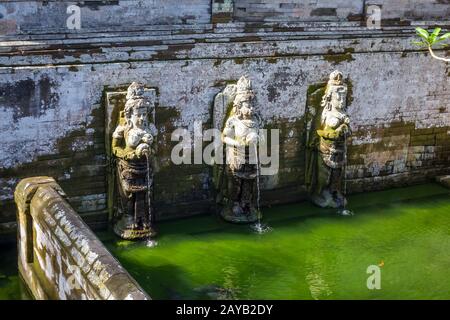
327	200
126	229
228	215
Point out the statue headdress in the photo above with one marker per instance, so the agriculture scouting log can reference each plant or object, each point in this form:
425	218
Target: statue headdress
135	91
335	83
135	98
244	91
336	78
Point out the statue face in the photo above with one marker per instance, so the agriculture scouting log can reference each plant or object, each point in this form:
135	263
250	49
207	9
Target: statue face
246	109
138	117
338	99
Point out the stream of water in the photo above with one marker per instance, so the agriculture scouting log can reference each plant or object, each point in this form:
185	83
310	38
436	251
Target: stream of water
258	227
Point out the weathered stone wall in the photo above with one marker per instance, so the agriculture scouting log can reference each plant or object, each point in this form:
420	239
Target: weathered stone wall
282	10
59	256
400	11
52	91
39	17
26	17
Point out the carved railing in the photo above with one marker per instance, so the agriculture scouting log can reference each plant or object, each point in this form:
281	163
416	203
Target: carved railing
59	256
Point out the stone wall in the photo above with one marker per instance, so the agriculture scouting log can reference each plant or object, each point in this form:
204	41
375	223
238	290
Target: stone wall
52	89
282	10
42	17
399	11
59	256
38	17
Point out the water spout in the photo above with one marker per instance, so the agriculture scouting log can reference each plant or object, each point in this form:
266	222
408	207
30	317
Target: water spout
149	242
258	226
147	156
342	209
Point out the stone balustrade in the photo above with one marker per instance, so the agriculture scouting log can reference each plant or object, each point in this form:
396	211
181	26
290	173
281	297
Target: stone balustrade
59	256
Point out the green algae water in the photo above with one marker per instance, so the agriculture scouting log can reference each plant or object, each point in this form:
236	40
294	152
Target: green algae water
311	253
11	286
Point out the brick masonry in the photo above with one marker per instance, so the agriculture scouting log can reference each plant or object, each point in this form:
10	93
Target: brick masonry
52	96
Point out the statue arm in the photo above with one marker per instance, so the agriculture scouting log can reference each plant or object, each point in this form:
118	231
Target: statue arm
343	129
230	141
228	135
117	148
329	134
334	134
121	152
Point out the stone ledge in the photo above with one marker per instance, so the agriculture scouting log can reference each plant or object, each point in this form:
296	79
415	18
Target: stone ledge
59	256
444	180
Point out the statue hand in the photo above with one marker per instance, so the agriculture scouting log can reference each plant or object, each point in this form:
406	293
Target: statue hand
147	138
233	142
252	139
142	149
347	120
343	129
131	155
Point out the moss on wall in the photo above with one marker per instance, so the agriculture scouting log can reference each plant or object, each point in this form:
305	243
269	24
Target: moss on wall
337	58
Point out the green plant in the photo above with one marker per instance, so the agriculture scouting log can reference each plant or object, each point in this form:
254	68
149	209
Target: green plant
430	39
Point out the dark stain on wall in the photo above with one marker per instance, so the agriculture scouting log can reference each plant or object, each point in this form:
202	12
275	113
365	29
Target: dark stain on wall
94	5
28	98
323	12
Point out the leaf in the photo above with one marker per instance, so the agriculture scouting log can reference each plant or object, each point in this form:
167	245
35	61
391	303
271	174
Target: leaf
432	37
423	33
419	43
438	40
445	36
436	32
442	38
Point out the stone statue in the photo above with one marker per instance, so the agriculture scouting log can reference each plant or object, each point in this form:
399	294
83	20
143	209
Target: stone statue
327	171
132	146
240	134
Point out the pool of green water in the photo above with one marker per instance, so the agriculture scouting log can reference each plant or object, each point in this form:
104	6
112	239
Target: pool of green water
11	287
311	253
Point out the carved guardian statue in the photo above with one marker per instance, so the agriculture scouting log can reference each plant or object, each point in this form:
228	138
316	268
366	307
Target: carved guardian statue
326	183
240	134
132	147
